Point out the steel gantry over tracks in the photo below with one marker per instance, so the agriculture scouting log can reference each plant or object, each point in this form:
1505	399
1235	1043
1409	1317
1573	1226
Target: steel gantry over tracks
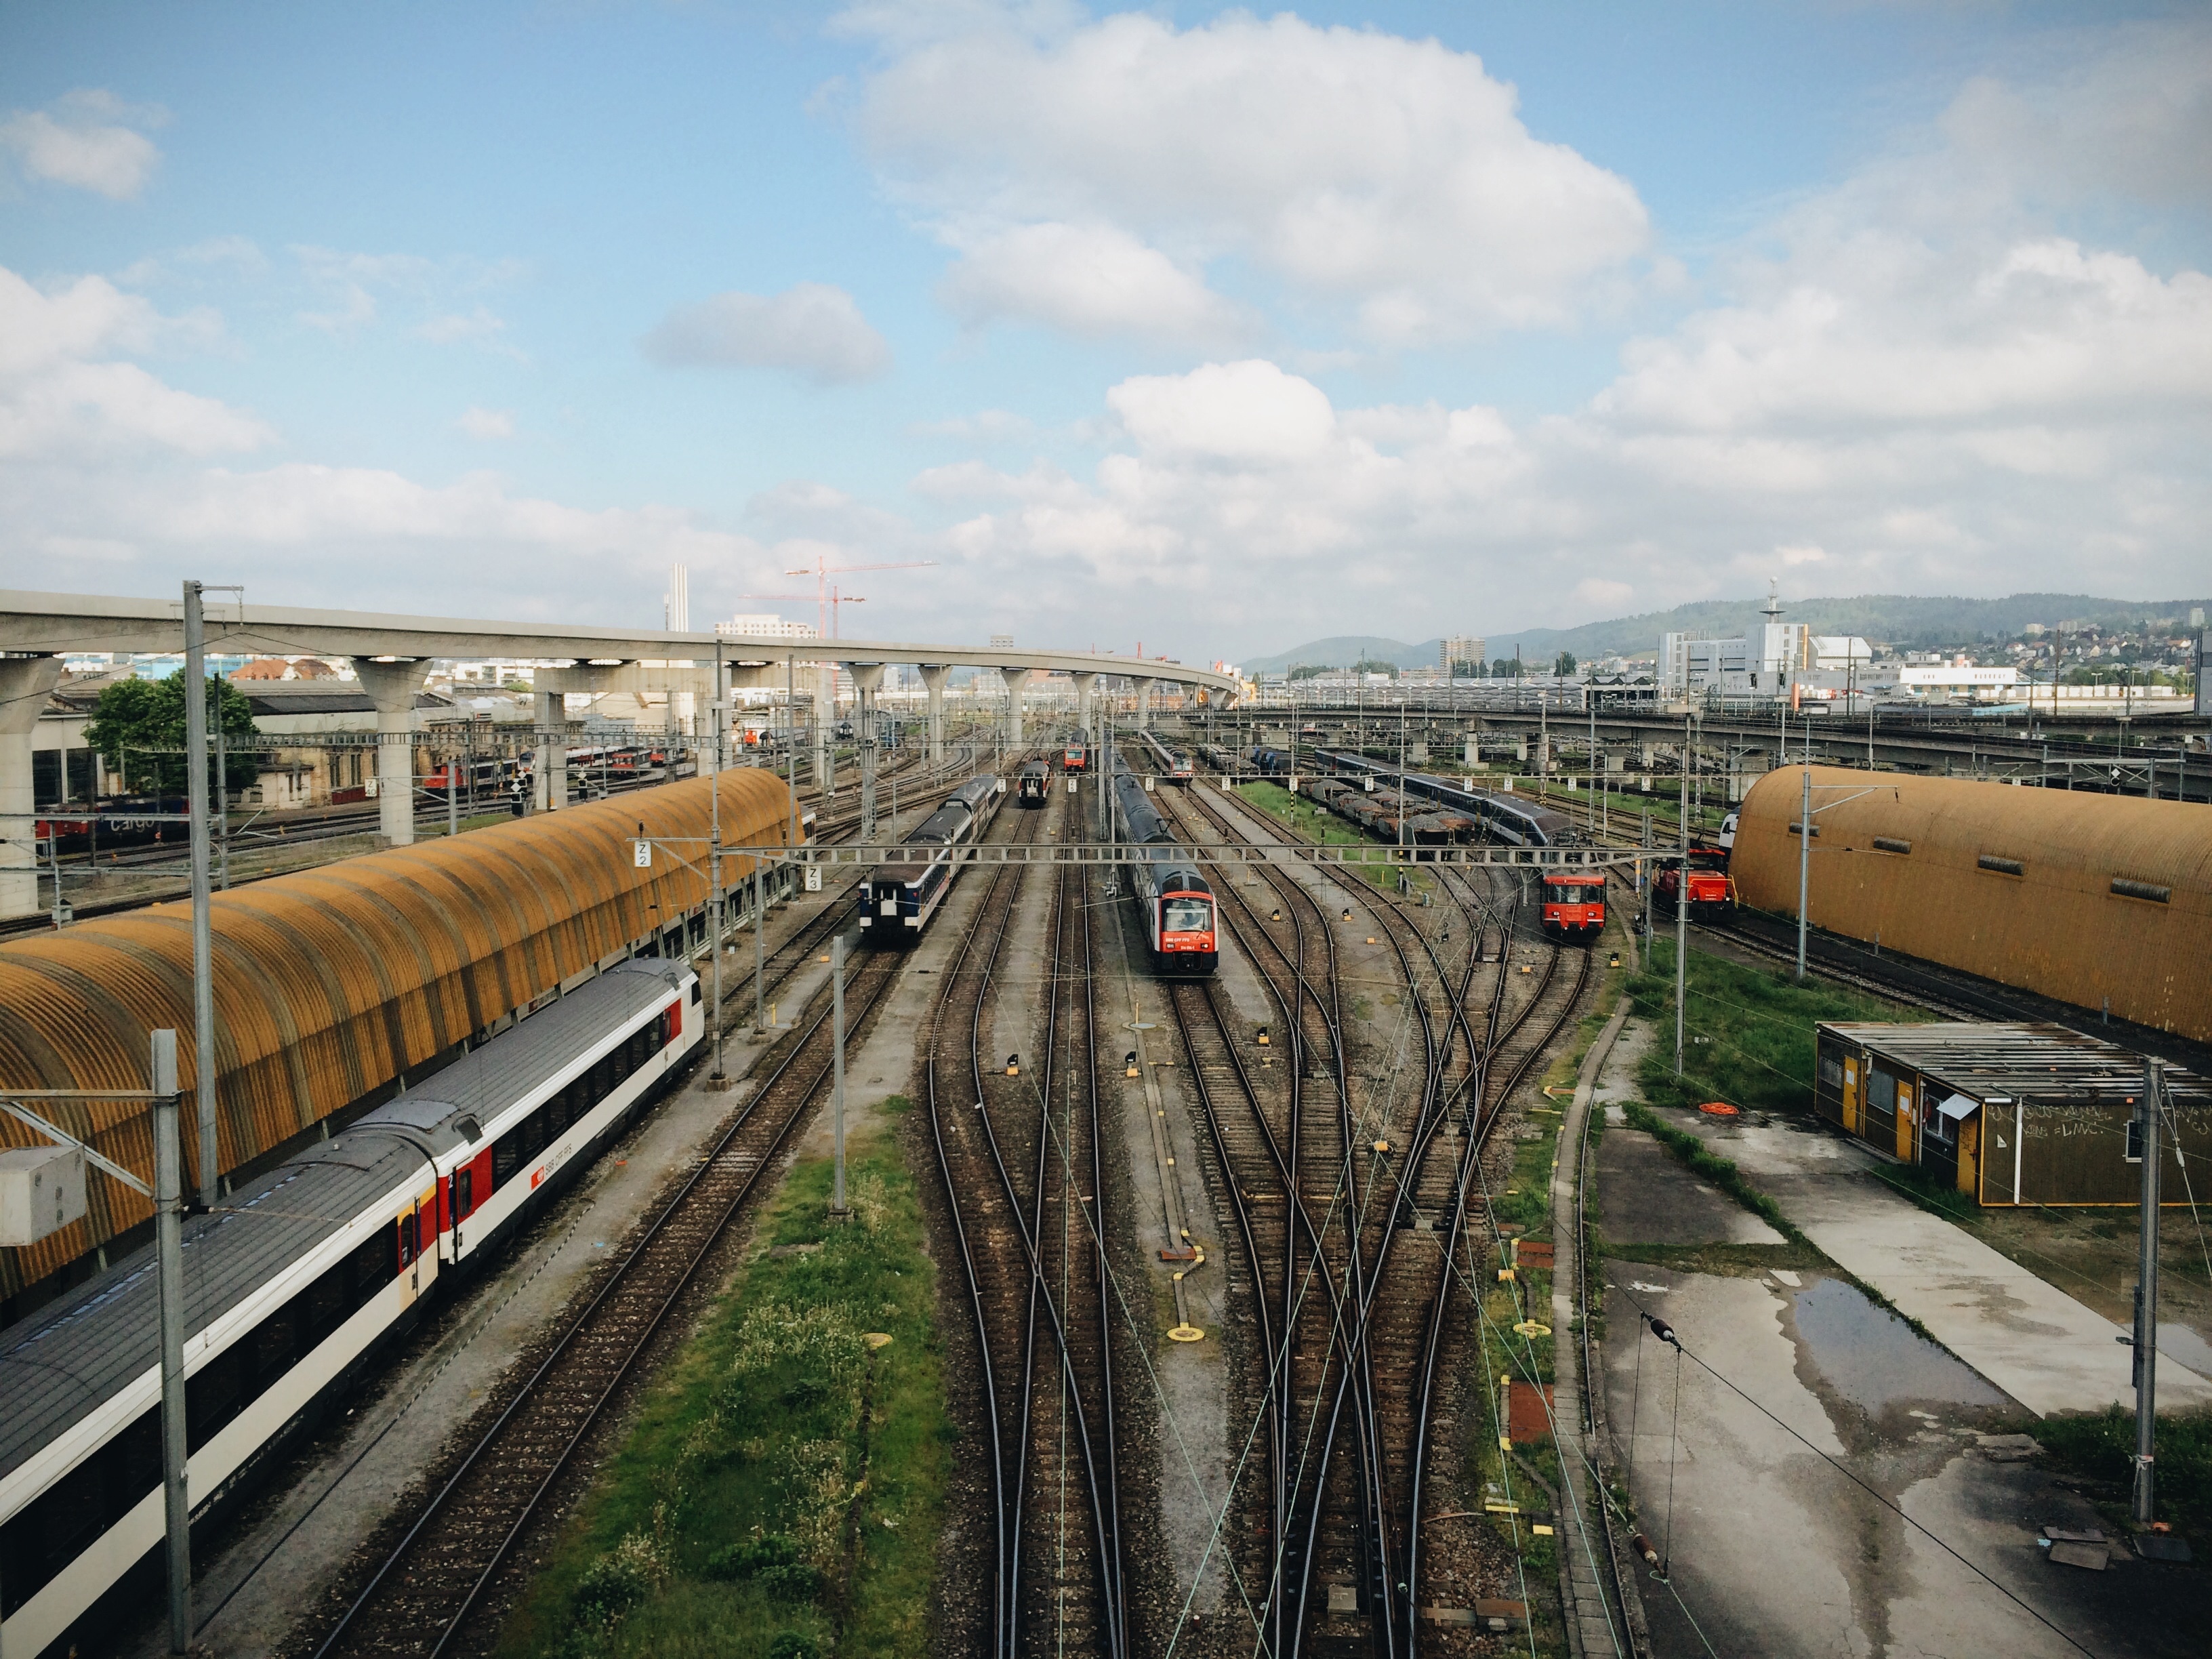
1370	854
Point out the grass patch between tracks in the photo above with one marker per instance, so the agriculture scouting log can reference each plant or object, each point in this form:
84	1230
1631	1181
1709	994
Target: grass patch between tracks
782	1491
1310	821
1748	1032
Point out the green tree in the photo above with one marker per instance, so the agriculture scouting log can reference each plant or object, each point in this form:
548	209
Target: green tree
1311	670
138	727
1566	665
1372	666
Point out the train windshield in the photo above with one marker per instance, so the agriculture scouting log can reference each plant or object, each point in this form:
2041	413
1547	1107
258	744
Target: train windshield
1563	892
1185	912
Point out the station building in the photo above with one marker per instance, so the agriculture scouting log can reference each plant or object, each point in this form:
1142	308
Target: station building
2010	1114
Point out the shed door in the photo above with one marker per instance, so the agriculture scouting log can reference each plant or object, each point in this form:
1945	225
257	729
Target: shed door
1851	1095
1906	1117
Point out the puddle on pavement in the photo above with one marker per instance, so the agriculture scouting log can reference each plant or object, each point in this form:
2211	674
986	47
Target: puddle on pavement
2179	1342
1873	1360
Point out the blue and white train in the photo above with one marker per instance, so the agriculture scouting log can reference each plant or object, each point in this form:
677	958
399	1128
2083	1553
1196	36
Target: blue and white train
898	900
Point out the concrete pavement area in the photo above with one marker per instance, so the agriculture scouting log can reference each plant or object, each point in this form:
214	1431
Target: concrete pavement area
2040	1346
1822	1478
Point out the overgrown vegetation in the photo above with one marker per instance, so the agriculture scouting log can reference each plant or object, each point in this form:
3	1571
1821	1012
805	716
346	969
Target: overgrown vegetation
1748	1031
1311	822
2102	1447
782	1492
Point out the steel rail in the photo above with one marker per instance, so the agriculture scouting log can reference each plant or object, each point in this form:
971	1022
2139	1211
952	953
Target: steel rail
619	1279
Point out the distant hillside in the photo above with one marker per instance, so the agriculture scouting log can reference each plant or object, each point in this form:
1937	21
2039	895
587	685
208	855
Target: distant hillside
1895	619
1341	651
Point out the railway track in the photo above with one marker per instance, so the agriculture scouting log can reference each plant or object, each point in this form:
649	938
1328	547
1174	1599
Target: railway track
1022	1161
432	1594
438	1590
1357	1445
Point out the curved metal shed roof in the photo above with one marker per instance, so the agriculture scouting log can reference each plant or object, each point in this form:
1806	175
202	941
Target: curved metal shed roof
331	982
2079	896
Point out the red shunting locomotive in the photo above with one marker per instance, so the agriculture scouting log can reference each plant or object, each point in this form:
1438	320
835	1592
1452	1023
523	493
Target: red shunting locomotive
1711	892
1574	906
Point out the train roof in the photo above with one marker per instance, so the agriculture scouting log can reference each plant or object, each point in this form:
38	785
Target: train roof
79	1352
974	792
1033	768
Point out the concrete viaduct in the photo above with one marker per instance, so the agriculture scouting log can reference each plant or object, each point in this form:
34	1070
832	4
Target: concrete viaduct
391	656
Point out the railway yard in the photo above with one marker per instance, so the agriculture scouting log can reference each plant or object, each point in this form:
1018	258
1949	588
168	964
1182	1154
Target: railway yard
1166	1243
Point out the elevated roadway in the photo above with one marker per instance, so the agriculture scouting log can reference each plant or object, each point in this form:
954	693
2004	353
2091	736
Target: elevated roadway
392	655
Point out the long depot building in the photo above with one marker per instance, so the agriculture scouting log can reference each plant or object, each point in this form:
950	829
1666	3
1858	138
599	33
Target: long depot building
336	989
2091	899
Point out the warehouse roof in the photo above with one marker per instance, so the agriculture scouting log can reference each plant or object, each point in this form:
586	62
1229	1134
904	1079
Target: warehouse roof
2023	1062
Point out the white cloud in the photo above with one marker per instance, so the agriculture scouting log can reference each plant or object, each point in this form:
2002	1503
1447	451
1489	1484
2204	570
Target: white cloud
1394	178
812	330
89	141
61	394
1248	412
2129	119
487	423
1088	280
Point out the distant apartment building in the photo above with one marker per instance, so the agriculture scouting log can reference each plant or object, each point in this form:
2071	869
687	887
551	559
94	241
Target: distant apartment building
765	627
1763	663
1459	648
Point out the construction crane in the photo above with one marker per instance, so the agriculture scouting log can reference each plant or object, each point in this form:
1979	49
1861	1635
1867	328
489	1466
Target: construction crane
824	599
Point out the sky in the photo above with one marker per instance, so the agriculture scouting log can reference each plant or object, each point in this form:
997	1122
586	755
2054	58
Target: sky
1199	330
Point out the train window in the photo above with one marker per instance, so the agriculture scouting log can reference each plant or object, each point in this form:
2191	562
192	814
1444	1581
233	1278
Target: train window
1187	916
321	1308
274	1348
507	1151
465	1190
375	1264
406	1239
694	992
214	1397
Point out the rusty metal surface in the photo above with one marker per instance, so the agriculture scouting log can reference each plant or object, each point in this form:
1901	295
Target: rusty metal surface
331	982
2056	927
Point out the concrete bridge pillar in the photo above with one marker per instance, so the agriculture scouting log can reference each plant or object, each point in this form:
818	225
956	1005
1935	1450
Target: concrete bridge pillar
549	772
1015	679
1143	705
867	680
391	687
1086	712
25	683
825	726
935	676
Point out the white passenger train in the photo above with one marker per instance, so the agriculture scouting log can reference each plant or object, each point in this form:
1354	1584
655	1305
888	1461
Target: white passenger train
292	1283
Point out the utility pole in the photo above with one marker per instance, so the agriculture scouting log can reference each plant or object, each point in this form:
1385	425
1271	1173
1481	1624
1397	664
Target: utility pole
169	1259
720	1078
1682	911
196	770
837	1209
760	951
1804	868
2147	1110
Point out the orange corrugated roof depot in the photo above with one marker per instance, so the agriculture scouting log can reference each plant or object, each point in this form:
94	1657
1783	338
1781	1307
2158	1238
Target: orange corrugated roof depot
330	982
2043	914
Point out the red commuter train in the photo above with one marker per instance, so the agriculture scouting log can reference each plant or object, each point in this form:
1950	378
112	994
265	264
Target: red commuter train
1574	905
